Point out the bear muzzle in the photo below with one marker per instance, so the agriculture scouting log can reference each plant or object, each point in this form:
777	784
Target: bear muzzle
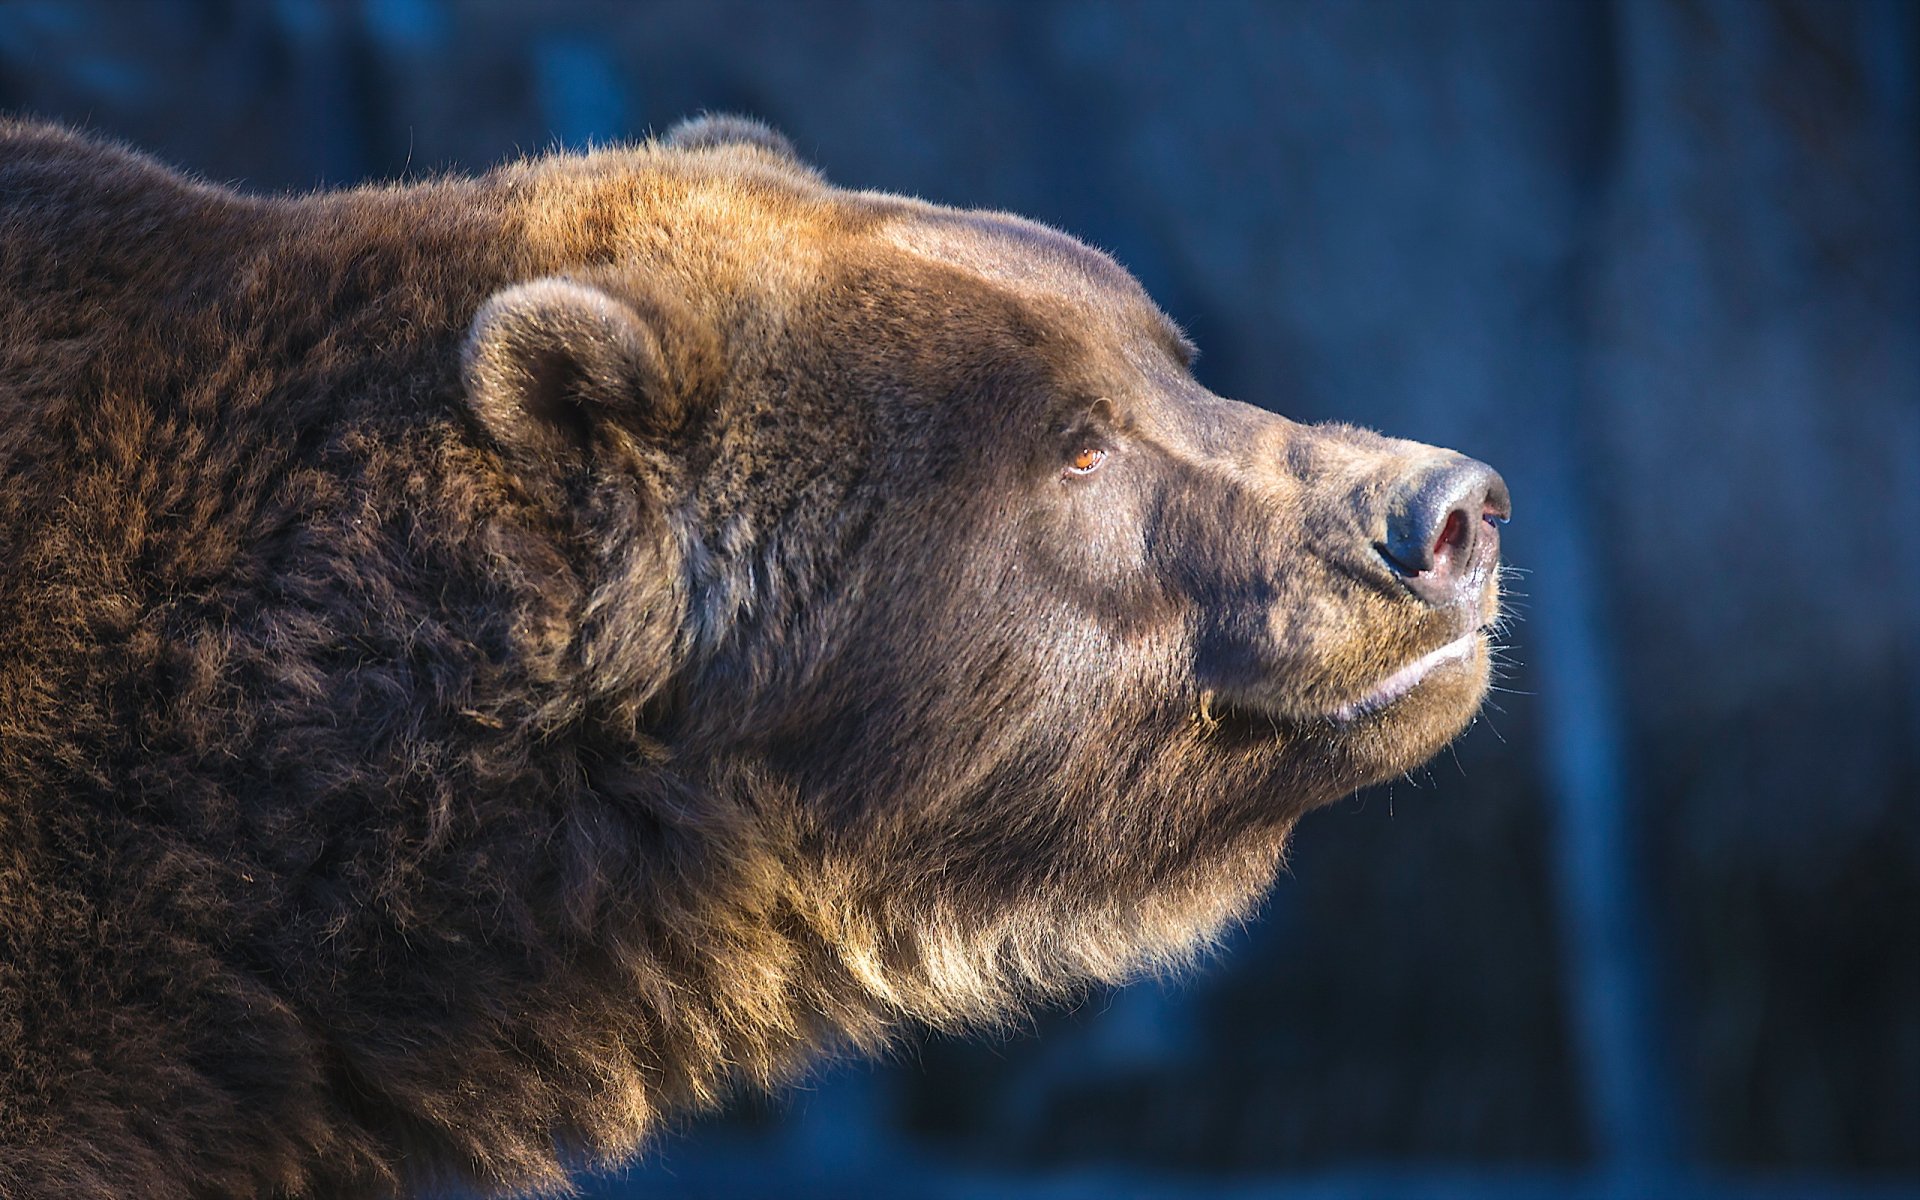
1442	544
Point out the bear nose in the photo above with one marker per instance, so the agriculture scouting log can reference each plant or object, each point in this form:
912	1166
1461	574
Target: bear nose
1443	529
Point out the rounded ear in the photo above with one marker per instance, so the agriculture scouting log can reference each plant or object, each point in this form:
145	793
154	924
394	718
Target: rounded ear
547	363
560	371
711	131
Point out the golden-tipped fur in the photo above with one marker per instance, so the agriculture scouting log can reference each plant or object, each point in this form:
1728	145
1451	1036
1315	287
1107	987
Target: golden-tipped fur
488	663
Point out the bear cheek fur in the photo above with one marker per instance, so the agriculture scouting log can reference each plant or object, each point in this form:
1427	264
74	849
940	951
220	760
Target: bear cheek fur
993	753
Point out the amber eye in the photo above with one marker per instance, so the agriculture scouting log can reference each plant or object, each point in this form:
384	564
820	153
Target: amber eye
1087	461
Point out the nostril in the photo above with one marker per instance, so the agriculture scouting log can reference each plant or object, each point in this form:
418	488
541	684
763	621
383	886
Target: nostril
1497	502
1453	536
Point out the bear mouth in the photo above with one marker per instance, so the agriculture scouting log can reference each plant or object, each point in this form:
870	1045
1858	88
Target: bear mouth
1403	681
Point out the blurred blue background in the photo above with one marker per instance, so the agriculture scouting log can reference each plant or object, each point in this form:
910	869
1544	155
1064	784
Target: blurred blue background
1653	928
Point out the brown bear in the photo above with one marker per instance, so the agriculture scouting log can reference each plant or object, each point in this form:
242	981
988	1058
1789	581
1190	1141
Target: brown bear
488	663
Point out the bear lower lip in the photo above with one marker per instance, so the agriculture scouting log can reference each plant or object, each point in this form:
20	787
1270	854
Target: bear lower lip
1404	680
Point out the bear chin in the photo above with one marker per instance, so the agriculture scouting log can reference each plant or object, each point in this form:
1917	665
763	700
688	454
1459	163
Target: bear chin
1404	723
1401	721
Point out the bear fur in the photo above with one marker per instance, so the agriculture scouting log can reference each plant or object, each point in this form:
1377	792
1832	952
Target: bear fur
488	663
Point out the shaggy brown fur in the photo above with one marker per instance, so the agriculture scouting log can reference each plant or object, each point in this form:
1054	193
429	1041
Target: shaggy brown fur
490	662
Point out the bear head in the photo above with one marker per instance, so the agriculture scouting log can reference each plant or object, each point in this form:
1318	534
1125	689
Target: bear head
921	532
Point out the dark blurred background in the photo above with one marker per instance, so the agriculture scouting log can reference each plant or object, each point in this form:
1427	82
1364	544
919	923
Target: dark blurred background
1653	927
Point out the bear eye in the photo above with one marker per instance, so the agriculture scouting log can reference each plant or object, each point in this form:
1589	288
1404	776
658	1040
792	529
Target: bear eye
1087	461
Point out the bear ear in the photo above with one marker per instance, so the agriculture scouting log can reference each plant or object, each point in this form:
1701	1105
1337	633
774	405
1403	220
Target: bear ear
549	364
712	131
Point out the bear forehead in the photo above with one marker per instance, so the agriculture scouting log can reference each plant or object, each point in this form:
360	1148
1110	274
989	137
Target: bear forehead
1034	263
